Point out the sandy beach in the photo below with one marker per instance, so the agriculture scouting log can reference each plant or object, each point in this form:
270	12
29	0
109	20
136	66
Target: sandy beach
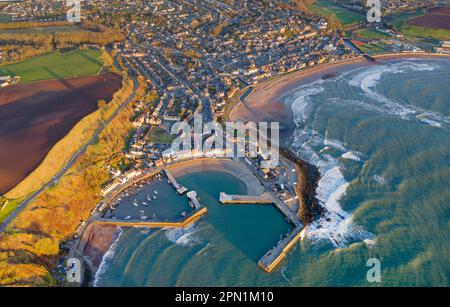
232	167
265	103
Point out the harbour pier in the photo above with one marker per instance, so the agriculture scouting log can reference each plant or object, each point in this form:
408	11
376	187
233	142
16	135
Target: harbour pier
155	224
274	256
245	199
180	189
192	195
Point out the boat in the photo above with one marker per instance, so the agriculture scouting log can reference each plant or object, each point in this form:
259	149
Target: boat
183	214
154	197
144	203
135	203
127	218
191	204
144	217
149	198
156	192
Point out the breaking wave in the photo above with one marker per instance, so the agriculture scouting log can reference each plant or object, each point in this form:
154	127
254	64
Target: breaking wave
183	236
369	79
300	101
108	256
351	155
336	225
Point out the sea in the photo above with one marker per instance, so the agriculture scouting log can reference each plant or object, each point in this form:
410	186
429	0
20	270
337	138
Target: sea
380	136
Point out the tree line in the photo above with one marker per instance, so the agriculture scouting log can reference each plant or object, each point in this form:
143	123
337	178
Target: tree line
20	46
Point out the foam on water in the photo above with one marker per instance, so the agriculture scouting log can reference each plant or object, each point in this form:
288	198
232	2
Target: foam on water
369	79
351	155
333	143
283	274
108	256
381	180
336	225
301	100
183	236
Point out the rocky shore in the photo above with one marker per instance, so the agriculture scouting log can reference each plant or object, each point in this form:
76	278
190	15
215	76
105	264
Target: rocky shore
308	178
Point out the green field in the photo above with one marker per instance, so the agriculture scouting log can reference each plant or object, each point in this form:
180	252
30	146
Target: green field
56	66
376	48
399	23
371	34
329	9
7	207
160	136
414	31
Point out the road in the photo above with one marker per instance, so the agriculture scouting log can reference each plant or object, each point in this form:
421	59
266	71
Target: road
69	164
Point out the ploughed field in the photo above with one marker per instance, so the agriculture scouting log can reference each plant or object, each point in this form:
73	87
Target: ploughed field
35	116
437	18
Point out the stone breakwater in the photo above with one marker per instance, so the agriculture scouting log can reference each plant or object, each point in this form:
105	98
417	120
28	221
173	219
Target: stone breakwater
308	179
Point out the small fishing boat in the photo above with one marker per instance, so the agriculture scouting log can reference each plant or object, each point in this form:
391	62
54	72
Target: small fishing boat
154	197
144	203
127	218
156	192
183	214
135	203
149	198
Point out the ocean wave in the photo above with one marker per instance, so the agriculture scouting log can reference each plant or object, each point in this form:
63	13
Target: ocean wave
183	236
108	256
300	99
333	143
370	78
351	155
381	180
336	225
283	274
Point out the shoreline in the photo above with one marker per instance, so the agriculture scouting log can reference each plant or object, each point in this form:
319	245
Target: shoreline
308	174
236	168
265	102
97	240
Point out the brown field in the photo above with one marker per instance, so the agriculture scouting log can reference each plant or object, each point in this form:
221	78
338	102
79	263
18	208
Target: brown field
436	18
440	10
35	116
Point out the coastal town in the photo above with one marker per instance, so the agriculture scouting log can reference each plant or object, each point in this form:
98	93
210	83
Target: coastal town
203	58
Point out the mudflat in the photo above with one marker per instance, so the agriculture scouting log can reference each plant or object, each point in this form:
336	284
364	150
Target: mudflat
35	116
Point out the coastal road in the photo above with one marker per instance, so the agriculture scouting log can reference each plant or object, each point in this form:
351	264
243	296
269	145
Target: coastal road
71	162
